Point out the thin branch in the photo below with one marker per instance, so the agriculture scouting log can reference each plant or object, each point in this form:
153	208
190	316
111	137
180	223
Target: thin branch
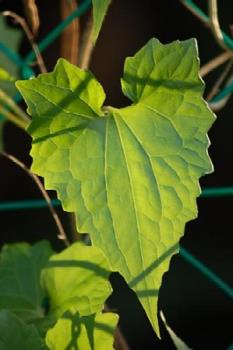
214	24
35	178
215	89
70	36
21	21
120	342
215	62
13	118
87	45
177	341
6	99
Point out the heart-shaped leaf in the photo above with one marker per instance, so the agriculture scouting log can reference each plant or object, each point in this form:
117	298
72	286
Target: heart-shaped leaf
130	174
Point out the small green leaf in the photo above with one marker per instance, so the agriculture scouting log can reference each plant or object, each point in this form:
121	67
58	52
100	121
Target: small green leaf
91	332
15	334
77	278
130	174
100	8
20	268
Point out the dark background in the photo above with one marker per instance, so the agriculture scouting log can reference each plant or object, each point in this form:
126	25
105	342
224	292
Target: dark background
199	312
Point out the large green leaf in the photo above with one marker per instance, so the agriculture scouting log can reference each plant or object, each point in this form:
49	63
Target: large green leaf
91	332
20	268
130	174
15	334
77	278
100	8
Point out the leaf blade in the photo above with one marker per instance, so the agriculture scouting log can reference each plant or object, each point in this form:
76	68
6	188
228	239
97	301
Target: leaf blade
149	156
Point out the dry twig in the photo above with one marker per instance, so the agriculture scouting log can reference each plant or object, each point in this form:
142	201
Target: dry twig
216	106
215	89
120	342
214	24
35	178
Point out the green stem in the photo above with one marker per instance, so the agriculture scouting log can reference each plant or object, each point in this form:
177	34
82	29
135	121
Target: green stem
87	45
13	118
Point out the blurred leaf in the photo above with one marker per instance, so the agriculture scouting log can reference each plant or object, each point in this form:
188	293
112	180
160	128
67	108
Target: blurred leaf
77	278
93	332
16	335
100	8
20	268
5	76
2	124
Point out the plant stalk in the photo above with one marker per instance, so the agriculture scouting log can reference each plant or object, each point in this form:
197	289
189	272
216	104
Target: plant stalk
214	24
87	45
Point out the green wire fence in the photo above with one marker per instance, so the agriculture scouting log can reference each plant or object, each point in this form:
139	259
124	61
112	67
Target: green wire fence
27	72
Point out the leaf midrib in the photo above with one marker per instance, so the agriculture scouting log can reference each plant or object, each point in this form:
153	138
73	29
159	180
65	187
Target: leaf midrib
135	208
